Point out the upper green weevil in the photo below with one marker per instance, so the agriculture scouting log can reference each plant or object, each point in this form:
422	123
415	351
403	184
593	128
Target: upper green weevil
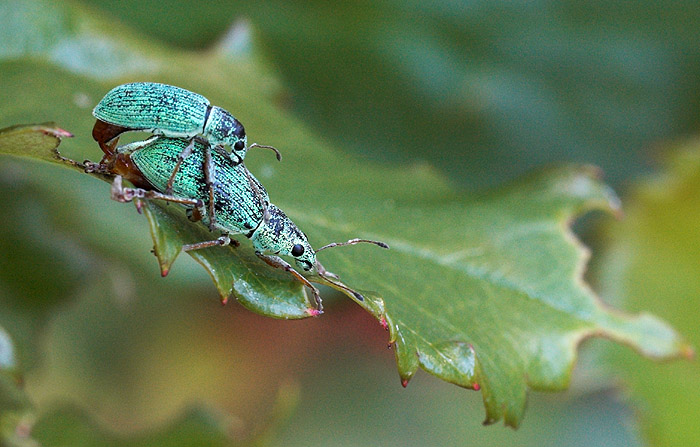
241	203
170	111
166	110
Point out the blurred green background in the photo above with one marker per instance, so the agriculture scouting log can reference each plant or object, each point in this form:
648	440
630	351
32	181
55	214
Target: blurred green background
484	90
480	90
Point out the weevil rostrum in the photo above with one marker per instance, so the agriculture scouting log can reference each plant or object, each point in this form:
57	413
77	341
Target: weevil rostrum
241	203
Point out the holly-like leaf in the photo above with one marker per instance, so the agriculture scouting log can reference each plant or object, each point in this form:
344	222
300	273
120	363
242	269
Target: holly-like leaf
651	262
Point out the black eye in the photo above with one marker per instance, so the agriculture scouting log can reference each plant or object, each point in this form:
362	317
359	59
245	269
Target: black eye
297	250
239	146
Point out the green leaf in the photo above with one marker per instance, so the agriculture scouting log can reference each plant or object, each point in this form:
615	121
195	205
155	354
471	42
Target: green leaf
487	293
651	262
37	141
484	292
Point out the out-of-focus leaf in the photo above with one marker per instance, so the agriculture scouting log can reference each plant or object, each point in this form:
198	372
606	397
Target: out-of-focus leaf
198	426
484	88
652	261
16	412
74	427
39	251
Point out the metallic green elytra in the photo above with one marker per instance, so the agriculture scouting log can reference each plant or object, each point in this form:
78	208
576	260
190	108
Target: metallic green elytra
211	180
239	199
166	110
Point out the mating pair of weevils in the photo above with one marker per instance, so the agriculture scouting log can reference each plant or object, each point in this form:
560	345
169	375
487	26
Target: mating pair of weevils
186	162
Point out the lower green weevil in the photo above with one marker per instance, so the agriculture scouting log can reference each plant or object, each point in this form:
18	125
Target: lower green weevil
240	202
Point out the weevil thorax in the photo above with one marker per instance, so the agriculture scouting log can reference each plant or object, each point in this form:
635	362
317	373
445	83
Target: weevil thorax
281	236
222	128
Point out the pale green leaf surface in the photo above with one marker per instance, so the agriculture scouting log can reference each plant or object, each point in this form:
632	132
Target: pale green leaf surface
480	291
652	262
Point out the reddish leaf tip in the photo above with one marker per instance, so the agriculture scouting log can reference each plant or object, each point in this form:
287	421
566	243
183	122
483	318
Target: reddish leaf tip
384	323
314	312
164	272
476	386
58	132
404	382
63	133
224	300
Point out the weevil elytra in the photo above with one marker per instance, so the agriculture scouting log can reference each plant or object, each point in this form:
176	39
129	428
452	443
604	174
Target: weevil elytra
240	201
166	110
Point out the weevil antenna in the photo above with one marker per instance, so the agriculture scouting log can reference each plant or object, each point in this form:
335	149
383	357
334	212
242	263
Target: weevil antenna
277	153
353	242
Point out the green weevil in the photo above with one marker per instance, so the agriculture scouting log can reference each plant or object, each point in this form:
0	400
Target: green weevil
166	110
170	111
241	203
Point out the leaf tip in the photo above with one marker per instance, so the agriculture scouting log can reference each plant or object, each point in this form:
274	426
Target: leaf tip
648	335
312	311
384	323
57	132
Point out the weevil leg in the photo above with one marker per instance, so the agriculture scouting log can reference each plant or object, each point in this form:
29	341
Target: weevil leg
209	178
279	263
96	168
224	240
325	273
180	158
123	195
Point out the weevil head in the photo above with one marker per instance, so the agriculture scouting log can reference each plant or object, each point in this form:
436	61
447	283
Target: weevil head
279	235
222	128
